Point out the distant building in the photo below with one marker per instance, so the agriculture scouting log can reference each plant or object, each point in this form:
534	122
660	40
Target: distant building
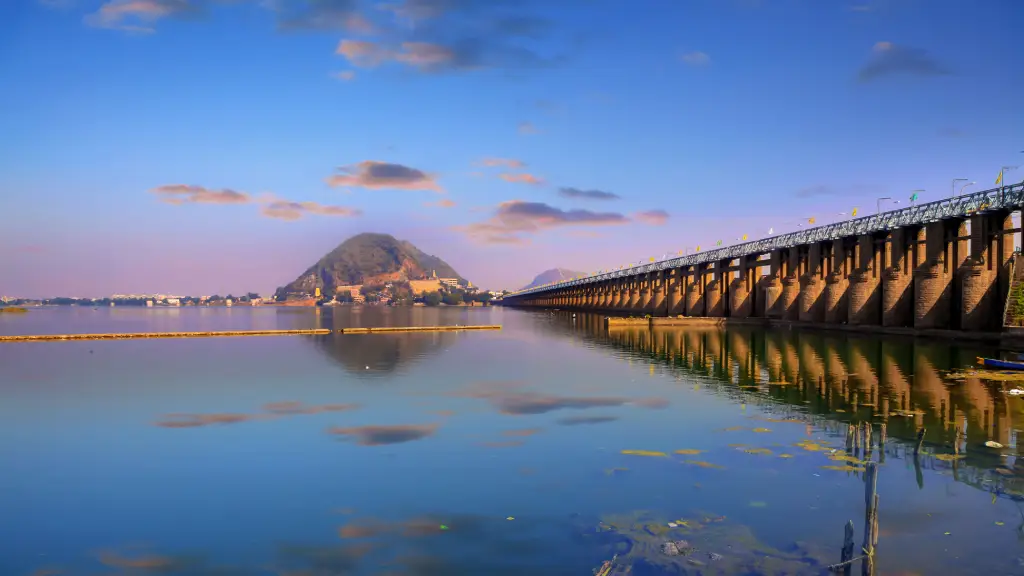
149	303
173	302
227	302
449	282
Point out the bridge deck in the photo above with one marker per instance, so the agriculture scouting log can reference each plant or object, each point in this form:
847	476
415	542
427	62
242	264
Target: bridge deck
1006	197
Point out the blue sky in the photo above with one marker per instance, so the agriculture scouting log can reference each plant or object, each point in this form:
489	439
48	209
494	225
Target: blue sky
694	120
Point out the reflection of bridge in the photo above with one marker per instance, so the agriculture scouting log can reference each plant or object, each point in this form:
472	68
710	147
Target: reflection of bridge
919	267
847	378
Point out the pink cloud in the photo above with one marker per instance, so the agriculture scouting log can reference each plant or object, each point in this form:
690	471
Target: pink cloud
190	194
516	218
375	175
506	162
443	203
138	16
424	56
652	217
522	179
345	75
288	210
527	128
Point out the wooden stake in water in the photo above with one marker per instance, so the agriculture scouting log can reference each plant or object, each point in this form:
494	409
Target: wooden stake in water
850	433
870	518
847	553
881	442
920	441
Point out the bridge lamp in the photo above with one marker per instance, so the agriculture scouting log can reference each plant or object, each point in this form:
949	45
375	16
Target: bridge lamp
952	188
965	186
913	196
878	203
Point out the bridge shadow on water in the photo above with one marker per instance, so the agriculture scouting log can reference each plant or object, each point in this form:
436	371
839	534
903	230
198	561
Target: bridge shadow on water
833	380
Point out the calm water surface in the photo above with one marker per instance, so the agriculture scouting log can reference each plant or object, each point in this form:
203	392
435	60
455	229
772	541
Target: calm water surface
489	452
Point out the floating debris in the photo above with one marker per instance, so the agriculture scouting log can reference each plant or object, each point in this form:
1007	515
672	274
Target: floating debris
812	446
688	452
949	457
785	455
614	471
993	444
762	430
763	451
677	548
714	557
643	453
733	429
758	504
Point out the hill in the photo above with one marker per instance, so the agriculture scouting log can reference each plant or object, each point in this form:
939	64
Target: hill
368	259
553	275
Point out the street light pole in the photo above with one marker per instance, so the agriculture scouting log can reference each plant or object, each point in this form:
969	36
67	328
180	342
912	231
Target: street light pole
952	187
1002	174
913	196
878	203
965	186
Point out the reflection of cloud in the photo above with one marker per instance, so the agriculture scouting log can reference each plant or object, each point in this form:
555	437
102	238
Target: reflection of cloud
521	432
652	217
653	403
892	60
587	194
375	175
364	529
152	563
293	408
534	403
380	435
383	353
517	217
578	420
503	444
197	420
522	179
190	194
696	58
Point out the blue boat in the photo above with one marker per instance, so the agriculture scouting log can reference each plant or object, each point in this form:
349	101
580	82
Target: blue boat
1000	364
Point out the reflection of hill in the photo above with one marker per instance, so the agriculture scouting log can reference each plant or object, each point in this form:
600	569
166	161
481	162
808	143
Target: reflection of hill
383	353
831	380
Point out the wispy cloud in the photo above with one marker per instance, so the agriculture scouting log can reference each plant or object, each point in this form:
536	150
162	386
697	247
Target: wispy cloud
523	178
57	4
823	190
515	219
381	435
288	210
652	217
890	59
140	16
505	162
344	75
527	128
191	194
442	203
320	15
568	192
375	175
696	58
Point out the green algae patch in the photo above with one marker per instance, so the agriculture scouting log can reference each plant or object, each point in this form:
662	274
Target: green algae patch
844	468
644	453
759	451
762	430
812	446
688	452
703	464
614	471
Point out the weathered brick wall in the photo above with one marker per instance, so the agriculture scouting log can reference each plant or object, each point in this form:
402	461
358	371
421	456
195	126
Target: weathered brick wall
836	284
932	286
658	289
788	306
897	278
812	284
865	290
695	297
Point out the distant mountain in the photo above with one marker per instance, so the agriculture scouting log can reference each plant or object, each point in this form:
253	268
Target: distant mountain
368	259
553	275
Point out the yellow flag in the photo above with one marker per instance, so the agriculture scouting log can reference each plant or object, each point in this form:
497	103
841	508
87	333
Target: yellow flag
854	212
680	252
698	248
810	220
744	237
999	179
652	258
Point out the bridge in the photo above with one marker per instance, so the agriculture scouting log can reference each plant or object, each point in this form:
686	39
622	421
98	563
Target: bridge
938	265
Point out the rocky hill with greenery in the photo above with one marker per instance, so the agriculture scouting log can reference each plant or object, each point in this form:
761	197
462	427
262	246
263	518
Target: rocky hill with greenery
367	259
553	275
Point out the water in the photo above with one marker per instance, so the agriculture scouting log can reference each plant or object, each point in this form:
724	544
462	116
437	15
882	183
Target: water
487	452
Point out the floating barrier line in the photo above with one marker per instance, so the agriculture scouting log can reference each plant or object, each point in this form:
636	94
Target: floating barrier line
319	331
137	335
416	329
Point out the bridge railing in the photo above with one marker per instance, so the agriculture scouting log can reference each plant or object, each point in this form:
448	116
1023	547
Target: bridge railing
958	206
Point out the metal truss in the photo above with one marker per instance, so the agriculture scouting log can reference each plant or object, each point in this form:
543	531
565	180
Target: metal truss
1006	197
